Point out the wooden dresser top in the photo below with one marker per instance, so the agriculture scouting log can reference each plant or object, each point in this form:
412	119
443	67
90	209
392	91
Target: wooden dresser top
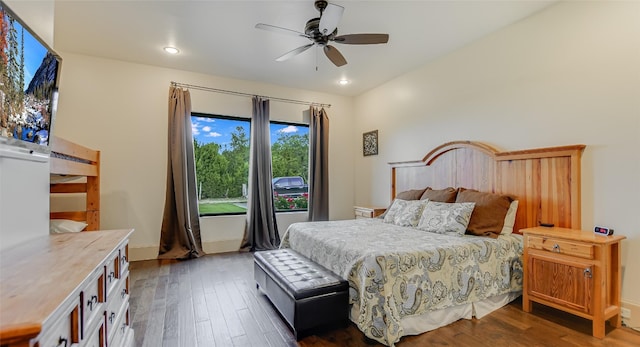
37	276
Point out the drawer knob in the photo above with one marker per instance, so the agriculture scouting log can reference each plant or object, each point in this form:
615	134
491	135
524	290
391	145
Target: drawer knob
62	342
587	273
556	248
123	293
112	275
112	316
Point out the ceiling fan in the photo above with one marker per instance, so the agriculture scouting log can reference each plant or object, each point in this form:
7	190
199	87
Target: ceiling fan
323	30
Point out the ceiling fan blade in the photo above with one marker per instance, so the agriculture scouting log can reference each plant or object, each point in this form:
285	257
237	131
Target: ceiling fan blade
294	52
280	30
362	39
334	55
330	18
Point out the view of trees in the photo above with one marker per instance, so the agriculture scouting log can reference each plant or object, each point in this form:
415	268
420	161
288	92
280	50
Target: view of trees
11	69
222	170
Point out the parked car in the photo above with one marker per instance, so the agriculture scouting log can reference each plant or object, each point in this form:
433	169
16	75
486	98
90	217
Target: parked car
289	186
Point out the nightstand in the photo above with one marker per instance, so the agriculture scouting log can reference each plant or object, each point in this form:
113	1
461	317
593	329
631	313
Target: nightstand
574	271
367	211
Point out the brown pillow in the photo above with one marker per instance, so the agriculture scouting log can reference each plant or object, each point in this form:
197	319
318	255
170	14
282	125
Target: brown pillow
447	195
410	194
488	215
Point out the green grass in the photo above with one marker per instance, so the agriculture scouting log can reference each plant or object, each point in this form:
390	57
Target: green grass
222	207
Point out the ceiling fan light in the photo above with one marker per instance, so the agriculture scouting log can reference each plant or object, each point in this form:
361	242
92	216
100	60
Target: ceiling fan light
171	50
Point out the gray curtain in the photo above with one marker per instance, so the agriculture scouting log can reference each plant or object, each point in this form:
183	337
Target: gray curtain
318	165
180	234
262	230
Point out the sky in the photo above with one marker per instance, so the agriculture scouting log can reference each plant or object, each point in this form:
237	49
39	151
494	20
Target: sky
206	130
34	52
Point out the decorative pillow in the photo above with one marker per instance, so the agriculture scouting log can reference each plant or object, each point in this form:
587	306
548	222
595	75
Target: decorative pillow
410	194
488	216
510	219
57	226
446	218
440	195
405	213
406	195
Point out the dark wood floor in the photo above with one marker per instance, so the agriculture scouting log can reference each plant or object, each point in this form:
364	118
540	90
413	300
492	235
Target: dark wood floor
213	301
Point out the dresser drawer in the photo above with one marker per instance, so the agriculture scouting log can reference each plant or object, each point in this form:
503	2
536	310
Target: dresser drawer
93	298
124	258
568	247
63	333
96	335
115	303
119	329
112	272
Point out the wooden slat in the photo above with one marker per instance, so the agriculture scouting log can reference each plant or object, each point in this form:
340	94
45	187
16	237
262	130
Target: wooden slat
68	167
68	188
79	216
62	146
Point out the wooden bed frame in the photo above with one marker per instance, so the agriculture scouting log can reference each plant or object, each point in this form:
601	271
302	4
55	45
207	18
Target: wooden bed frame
546	181
78	161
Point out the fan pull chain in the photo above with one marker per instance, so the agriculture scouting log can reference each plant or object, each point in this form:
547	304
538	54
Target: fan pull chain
316	59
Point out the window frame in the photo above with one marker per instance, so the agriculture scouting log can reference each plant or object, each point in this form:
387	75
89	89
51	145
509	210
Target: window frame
248	120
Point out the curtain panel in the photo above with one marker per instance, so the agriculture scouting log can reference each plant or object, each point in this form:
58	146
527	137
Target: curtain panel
318	165
180	233
262	231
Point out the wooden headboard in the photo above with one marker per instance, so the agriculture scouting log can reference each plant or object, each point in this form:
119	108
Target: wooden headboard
546	181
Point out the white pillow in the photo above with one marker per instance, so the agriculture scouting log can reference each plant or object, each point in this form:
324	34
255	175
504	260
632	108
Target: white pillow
446	218
57	226
405	213
510	218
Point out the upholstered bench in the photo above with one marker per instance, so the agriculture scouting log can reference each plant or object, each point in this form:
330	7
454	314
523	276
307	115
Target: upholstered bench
308	296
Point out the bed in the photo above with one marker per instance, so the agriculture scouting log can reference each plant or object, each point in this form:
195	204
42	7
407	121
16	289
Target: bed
74	170
405	281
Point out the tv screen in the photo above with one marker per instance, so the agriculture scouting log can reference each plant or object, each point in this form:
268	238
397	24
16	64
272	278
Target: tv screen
29	72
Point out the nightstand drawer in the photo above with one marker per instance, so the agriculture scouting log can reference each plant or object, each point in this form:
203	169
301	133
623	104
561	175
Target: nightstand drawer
363	213
560	246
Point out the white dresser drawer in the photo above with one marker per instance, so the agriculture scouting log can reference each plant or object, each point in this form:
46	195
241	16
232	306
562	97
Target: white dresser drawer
93	298
62	334
119	330
116	302
112	272
96	335
124	258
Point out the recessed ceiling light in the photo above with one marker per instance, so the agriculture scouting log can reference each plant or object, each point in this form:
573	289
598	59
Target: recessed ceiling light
344	82
171	50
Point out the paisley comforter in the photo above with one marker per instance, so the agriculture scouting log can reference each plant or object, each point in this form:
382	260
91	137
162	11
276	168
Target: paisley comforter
396	272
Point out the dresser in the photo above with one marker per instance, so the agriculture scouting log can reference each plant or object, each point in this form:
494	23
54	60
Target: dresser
67	289
368	211
574	271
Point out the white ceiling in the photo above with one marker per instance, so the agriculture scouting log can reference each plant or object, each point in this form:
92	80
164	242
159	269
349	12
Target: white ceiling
219	38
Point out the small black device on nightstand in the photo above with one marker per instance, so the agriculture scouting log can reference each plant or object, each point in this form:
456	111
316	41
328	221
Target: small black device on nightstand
603	231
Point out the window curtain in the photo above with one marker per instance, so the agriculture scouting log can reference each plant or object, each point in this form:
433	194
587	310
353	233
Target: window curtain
318	165
262	231
180	233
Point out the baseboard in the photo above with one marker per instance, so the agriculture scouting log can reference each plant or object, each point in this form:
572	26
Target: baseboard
634	321
148	253
143	253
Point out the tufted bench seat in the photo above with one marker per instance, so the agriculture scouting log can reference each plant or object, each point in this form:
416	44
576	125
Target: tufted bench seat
307	295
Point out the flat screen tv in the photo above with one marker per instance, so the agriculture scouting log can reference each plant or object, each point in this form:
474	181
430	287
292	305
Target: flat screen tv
29	74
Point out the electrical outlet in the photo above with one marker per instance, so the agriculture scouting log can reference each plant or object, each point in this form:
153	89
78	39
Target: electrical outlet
625	313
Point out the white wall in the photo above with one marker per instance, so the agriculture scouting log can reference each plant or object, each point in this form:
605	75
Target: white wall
120	108
568	75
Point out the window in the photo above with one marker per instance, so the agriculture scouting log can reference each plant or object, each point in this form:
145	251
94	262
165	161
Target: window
221	151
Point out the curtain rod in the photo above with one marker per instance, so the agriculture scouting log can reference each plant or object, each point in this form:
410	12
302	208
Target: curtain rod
231	92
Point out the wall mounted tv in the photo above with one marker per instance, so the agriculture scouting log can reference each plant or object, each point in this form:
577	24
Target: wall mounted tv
29	73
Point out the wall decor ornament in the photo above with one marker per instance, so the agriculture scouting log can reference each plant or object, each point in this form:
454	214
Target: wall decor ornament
370	143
